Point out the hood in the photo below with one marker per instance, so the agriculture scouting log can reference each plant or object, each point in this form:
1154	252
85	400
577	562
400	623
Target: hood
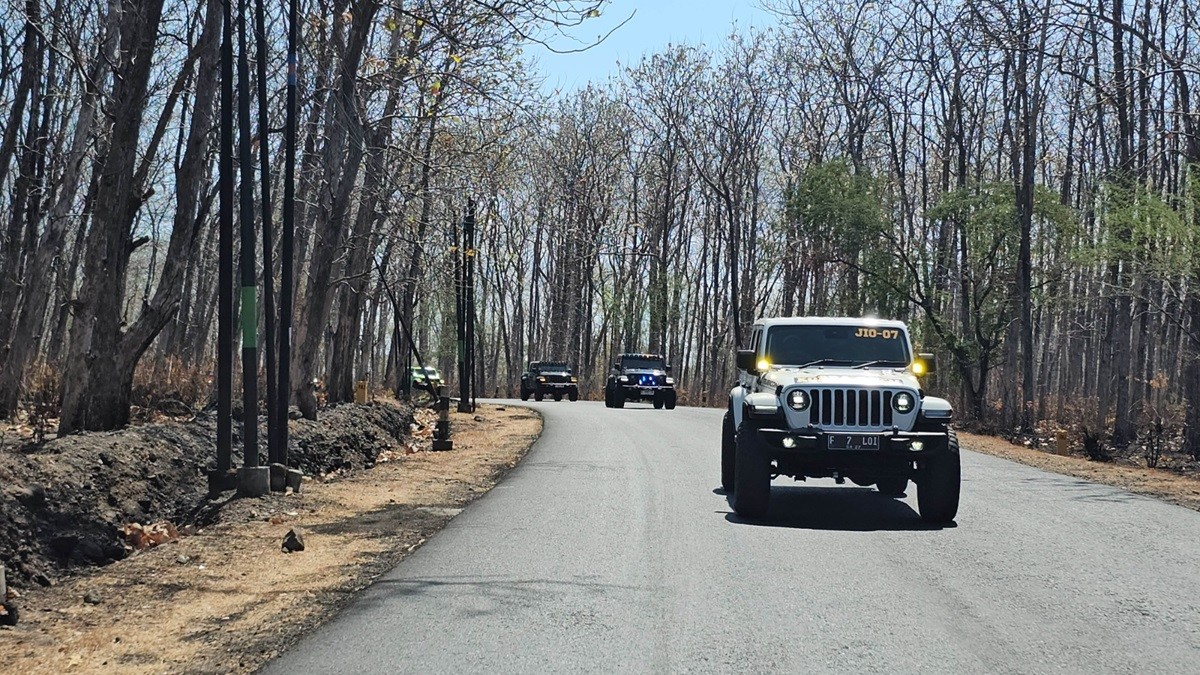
556	373
845	377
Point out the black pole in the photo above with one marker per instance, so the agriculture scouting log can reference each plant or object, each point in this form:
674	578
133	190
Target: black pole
264	173
225	260
469	295
464	391
249	300
289	229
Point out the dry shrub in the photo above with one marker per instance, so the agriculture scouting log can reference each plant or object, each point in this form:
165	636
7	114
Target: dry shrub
170	388
1094	447
42	388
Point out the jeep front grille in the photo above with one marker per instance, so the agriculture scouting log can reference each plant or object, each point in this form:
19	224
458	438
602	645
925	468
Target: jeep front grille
851	407
647	380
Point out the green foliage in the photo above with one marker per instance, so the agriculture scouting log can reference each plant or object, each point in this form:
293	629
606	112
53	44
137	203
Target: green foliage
843	212
833	203
1142	227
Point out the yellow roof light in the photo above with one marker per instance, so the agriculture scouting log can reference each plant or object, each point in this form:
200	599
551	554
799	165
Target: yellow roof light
918	367
764	365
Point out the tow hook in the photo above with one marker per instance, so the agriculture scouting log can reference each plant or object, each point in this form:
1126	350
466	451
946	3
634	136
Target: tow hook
837	477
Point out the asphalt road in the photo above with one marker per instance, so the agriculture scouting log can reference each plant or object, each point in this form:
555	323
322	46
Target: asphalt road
609	550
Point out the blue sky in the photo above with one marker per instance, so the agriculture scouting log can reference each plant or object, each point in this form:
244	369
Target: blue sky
655	24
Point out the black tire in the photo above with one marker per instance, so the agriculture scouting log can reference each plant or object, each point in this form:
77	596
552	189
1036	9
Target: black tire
608	398
891	486
618	398
670	399
573	395
658	402
728	452
751	475
558	396
524	394
940	484
537	396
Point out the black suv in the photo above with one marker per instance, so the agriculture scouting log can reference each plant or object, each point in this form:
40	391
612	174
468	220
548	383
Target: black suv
640	377
549	378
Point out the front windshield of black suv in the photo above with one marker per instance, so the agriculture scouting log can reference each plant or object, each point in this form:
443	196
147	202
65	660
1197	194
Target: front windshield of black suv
641	363
836	346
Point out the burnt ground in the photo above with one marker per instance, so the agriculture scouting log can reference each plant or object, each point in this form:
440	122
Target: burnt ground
63	502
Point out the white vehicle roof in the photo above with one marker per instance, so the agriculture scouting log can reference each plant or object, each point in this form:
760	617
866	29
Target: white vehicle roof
829	321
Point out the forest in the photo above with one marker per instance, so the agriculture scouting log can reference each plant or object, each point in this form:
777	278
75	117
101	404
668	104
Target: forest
1019	180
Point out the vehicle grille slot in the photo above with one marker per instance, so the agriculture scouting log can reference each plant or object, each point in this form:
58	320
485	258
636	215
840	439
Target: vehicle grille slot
864	408
887	408
851	407
839	407
876	407
826	406
814	396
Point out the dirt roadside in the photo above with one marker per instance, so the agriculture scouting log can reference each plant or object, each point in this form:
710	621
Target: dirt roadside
227	599
1160	483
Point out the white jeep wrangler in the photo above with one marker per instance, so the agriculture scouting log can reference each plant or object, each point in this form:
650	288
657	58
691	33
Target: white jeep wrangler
837	398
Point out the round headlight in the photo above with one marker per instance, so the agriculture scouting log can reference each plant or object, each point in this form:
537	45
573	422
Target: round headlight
903	402
622	379
670	380
798	400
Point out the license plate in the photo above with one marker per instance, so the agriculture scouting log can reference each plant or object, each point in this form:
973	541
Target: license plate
647	392
849	442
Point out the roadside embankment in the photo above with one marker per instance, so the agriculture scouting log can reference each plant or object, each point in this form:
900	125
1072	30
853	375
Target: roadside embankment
226	597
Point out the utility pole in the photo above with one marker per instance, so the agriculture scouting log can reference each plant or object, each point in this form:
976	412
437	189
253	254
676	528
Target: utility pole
460	315
278	470
469	294
253	481
219	480
286	283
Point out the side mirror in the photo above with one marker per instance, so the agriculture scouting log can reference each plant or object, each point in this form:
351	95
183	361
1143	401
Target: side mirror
925	364
616	365
746	360
668	369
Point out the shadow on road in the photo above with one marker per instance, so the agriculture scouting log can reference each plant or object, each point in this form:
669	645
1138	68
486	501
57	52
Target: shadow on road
837	508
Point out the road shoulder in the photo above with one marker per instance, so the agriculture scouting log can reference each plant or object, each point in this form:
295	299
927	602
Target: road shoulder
227	598
1159	483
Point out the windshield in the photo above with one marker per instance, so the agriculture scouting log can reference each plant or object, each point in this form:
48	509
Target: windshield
643	363
552	367
836	345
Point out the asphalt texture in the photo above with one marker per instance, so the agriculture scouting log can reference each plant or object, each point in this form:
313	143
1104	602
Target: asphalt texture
611	549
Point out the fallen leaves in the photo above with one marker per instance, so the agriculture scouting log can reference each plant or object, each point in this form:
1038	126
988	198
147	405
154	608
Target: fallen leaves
139	537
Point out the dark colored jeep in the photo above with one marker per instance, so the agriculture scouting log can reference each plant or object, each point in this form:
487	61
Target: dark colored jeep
640	377
549	378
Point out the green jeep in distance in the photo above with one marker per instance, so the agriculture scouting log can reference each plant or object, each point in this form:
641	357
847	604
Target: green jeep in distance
423	377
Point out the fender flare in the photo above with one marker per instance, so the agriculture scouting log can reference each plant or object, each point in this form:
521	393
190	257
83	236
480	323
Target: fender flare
737	399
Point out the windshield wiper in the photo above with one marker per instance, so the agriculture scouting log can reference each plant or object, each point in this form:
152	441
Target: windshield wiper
819	362
880	362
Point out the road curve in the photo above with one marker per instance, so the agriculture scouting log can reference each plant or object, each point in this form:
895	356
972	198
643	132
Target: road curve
608	549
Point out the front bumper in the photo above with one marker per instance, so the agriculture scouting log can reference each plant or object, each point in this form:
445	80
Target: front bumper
638	391
814	444
556	385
